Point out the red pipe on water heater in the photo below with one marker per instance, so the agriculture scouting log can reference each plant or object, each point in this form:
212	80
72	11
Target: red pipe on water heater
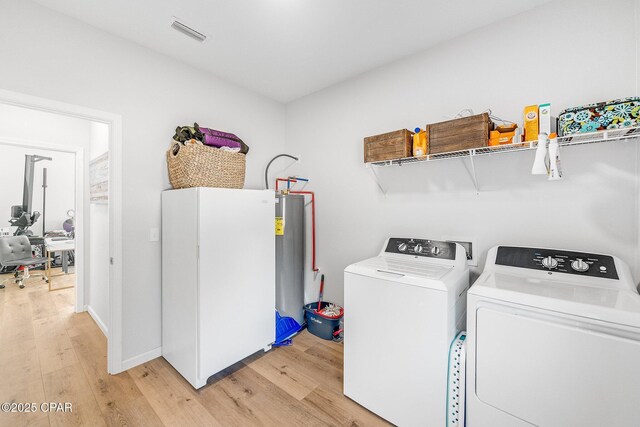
287	180
313	217
313	226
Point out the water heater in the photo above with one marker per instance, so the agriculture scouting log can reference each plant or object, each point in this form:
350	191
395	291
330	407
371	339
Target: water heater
290	246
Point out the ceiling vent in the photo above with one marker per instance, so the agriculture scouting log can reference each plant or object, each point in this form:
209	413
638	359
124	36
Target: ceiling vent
187	30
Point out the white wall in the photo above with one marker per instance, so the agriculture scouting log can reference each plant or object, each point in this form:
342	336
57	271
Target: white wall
56	57
60	185
41	126
557	53
98	290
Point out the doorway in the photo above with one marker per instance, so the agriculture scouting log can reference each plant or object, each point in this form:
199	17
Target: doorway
92	198
38	199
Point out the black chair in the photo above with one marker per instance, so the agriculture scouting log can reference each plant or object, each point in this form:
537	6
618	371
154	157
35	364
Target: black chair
15	251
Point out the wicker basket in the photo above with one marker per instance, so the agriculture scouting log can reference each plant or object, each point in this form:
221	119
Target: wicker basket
194	165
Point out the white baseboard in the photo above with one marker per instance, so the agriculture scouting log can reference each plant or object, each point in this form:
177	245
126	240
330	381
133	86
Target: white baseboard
98	320
141	358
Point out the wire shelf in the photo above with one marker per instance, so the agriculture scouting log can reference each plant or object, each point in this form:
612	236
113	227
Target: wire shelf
564	141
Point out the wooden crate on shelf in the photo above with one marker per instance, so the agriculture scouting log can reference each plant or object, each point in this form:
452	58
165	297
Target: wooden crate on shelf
388	146
459	134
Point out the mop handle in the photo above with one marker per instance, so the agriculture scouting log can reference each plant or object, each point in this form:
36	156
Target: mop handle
321	291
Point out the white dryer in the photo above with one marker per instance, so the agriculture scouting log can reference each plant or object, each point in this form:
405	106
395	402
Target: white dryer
403	309
553	340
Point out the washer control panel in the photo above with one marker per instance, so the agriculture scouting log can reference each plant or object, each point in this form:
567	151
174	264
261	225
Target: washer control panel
568	262
422	248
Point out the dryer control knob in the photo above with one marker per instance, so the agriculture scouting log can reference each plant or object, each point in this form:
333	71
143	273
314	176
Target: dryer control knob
435	250
418	249
550	262
402	247
579	265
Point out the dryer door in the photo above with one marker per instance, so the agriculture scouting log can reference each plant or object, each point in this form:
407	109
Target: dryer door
550	369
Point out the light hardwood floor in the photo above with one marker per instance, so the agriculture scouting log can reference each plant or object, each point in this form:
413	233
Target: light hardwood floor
48	353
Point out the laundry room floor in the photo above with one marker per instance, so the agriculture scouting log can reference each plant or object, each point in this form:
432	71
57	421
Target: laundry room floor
288	386
51	354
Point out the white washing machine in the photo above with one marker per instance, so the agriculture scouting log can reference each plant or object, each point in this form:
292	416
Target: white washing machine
403	309
553	340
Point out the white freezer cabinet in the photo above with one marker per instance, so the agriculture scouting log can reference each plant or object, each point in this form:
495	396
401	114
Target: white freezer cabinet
218	278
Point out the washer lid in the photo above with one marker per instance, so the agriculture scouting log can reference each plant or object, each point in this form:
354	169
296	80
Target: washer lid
425	274
607	304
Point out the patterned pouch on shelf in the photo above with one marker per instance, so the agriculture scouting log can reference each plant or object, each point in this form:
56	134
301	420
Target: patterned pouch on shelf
604	115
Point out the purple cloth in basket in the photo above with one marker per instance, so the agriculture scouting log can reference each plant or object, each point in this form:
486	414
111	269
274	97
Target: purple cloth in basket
216	138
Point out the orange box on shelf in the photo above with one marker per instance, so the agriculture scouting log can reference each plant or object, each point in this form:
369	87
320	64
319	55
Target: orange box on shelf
502	135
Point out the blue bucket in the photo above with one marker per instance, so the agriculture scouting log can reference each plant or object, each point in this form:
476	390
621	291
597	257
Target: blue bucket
319	325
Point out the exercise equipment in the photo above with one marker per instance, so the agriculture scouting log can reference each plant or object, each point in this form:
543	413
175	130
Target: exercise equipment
22	216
